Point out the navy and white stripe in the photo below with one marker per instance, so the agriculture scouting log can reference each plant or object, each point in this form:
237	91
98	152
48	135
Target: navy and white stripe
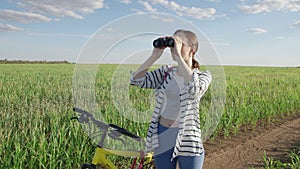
188	141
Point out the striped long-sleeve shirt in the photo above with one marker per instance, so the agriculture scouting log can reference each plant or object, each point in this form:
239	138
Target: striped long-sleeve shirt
188	141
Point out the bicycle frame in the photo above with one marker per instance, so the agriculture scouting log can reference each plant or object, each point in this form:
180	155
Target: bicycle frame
100	158
101	153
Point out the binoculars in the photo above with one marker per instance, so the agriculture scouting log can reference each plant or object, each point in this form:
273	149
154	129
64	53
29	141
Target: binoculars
163	42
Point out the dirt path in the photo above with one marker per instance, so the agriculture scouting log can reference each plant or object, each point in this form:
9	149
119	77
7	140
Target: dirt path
247	148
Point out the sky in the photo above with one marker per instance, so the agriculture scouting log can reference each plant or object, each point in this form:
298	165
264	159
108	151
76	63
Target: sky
242	32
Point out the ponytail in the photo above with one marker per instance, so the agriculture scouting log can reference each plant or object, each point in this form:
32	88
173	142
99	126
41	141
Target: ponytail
195	64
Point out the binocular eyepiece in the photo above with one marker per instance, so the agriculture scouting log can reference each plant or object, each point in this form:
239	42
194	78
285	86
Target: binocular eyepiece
163	42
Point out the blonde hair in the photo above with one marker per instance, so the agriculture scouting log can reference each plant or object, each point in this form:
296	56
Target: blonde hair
193	42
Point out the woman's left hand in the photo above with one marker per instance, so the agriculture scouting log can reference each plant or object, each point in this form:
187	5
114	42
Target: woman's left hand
176	52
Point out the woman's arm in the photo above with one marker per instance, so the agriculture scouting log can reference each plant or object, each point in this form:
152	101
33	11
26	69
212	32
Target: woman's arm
183	67
149	79
185	70
196	81
199	83
141	71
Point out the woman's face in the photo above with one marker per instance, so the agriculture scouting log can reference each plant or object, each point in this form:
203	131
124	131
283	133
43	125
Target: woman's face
185	47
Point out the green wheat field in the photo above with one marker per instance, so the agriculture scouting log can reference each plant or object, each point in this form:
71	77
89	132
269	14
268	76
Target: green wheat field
36	106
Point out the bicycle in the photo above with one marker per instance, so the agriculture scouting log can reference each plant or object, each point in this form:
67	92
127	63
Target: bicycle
141	161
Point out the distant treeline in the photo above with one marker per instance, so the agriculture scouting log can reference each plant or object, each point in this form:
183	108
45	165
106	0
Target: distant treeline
5	61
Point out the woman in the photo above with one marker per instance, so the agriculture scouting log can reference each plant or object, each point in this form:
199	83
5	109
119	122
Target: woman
174	133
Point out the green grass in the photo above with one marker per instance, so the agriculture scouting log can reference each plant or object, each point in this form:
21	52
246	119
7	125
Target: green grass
35	126
293	161
36	105
255	93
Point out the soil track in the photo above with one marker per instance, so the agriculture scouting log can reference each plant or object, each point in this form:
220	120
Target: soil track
247	148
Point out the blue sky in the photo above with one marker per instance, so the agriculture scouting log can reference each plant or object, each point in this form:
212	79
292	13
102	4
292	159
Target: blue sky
243	32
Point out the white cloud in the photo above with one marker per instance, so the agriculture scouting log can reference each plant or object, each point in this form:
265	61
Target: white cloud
175	6
161	2
164	19
296	24
147	6
168	20
137	11
181	10
126	2
200	13
271	5
58	35
75	8
9	28
257	31
109	30
215	1
22	17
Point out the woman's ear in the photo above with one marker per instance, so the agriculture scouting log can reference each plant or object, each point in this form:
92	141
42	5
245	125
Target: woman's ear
193	50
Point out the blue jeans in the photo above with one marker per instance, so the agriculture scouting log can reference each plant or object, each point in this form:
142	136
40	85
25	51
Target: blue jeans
163	154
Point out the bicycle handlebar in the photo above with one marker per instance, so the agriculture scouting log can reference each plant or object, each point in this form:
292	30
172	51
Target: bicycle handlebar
125	132
85	117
